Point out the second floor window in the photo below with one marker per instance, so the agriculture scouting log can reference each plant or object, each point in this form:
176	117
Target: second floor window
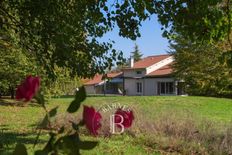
138	72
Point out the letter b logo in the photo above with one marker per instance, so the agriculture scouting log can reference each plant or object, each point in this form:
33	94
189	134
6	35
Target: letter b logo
118	123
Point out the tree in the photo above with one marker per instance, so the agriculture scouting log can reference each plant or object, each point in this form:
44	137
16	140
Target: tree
200	67
202	21
65	84
14	65
137	55
65	33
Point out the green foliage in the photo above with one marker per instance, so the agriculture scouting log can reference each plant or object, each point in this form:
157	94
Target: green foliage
203	20
136	54
226	58
65	33
63	84
48	118
200	67
14	64
47	31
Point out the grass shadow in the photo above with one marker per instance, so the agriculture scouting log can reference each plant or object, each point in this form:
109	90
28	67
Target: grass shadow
12	102
9	138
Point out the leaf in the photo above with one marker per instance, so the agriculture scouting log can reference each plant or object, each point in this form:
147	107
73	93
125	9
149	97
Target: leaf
75	126
80	97
87	145
61	130
81	123
49	146
69	144
37	138
20	149
51	113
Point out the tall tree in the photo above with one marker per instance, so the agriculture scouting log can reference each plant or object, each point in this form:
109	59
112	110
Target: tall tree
65	33
137	55
14	65
200	67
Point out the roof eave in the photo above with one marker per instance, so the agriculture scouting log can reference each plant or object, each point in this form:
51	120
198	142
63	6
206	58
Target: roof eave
133	68
159	75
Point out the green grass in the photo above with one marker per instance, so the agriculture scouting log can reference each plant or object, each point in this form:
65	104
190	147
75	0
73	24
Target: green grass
215	109
17	124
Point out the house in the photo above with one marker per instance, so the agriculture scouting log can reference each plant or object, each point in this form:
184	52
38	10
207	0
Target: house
153	75
111	84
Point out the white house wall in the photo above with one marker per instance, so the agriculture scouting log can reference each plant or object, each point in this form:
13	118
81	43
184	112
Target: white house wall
149	85
90	89
133	73
130	86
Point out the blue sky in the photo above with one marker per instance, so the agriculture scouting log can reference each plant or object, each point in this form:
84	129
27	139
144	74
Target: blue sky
151	41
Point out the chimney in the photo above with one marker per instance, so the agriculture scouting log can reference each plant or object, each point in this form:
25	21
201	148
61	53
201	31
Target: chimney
131	61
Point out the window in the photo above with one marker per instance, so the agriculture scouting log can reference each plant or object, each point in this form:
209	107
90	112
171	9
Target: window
162	86
138	72
139	87
165	88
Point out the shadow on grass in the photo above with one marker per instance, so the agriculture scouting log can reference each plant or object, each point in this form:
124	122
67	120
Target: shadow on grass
88	95
12	102
9	138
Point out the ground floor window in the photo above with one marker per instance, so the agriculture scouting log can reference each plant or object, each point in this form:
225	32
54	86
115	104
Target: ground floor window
165	88
139	87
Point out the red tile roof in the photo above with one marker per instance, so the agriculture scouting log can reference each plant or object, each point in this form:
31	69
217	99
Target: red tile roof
148	61
98	78
165	70
114	74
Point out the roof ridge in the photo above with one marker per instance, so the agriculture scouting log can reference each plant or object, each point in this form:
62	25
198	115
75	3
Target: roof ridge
144	59
158	55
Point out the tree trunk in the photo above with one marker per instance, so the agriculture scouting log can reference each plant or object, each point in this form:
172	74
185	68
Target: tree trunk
12	92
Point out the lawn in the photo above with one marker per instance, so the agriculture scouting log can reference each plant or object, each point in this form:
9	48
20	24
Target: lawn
163	125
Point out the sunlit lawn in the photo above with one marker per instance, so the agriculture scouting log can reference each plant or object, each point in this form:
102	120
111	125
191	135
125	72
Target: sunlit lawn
18	123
